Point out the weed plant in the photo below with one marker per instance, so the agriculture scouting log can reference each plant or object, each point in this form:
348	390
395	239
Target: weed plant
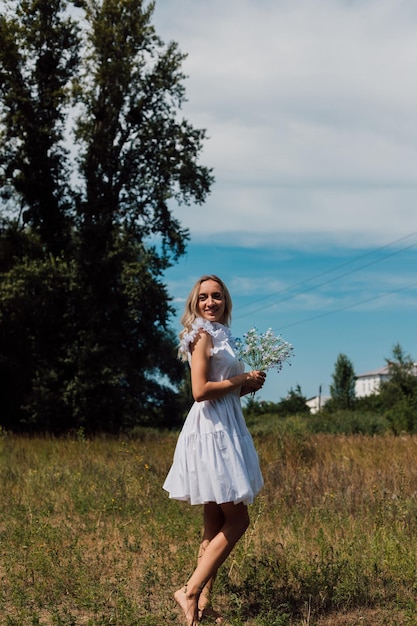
89	538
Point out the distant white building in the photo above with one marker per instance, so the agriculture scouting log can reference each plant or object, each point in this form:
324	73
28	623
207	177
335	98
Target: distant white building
316	403
366	384
369	383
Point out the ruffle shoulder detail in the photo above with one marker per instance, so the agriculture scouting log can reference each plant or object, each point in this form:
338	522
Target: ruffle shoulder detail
221	335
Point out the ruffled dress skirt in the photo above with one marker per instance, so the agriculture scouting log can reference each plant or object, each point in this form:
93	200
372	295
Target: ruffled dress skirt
215	459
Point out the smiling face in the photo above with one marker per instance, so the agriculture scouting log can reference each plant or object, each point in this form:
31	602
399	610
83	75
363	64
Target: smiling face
211	302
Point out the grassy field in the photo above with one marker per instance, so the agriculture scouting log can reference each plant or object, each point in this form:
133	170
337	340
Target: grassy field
88	536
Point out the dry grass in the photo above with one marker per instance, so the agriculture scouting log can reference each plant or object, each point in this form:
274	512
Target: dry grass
88	537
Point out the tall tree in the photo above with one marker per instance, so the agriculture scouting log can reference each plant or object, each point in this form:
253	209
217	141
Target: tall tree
89	229
39	56
137	154
398	395
342	390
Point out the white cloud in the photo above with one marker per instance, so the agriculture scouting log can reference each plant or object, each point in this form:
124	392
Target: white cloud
310	106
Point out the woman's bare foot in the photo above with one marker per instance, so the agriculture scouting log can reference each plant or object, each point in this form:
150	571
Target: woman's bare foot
189	605
211	614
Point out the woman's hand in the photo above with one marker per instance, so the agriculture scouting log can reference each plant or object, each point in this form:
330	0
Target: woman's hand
253	382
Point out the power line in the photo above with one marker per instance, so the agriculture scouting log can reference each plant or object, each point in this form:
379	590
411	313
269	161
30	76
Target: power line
350	306
316	286
327	282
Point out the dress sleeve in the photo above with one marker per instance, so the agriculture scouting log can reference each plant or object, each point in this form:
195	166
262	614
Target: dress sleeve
218	332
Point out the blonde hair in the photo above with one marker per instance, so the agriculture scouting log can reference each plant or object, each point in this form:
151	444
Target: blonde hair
191	311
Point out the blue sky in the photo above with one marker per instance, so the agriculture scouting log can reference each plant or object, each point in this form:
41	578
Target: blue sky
310	107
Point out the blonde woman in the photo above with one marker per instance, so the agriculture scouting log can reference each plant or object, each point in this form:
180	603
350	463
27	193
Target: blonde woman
215	462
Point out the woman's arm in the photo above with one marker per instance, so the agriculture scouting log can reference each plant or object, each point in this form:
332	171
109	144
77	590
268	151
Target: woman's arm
204	389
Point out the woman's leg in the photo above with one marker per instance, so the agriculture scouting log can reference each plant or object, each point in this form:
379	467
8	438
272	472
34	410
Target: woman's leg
236	521
213	523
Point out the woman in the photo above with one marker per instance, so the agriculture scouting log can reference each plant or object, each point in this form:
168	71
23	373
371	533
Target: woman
215	462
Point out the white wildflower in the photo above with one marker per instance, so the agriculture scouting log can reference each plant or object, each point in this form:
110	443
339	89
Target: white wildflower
263	351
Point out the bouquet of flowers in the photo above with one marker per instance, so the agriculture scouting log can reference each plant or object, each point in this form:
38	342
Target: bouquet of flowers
263	351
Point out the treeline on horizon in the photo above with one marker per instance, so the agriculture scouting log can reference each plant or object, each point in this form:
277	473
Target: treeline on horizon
392	408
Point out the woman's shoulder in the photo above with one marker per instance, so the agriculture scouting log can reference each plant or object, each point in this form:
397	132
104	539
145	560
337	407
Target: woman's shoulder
219	333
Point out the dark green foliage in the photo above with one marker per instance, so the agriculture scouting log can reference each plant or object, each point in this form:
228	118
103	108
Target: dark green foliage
79	365
348	422
254	407
185	395
35	300
398	395
372	403
342	390
85	240
393	408
39	54
136	154
294	403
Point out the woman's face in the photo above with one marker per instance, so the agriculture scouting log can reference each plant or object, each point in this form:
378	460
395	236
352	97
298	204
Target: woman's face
211	301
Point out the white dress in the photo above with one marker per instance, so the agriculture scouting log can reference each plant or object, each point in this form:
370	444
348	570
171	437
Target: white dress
215	459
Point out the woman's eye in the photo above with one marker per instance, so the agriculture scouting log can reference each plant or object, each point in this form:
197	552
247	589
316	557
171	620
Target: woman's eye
214	296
